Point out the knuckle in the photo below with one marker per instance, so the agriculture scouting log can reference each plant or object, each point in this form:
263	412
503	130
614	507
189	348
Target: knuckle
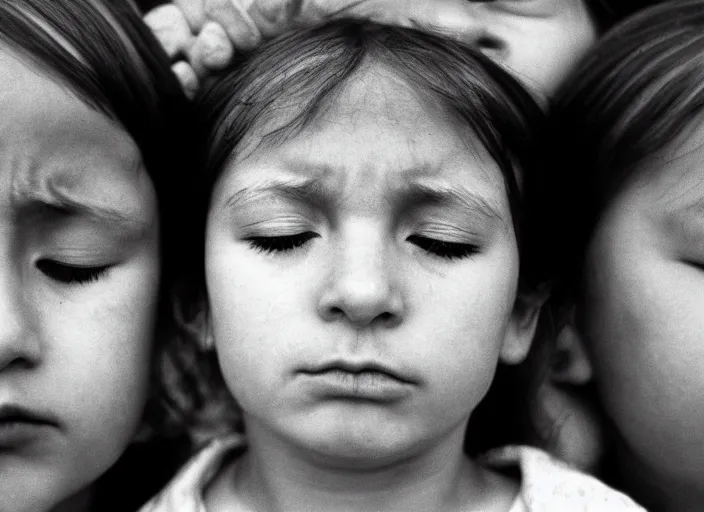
214	9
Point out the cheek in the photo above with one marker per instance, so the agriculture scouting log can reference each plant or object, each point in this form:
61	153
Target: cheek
461	321
255	315
94	374
564	40
101	352
644	316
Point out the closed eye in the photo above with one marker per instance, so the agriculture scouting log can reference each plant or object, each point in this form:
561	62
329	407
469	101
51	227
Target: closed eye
443	249
71	274
699	265
272	244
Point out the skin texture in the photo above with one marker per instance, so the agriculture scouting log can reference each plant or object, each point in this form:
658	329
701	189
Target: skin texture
361	290
73	191
643	319
538	40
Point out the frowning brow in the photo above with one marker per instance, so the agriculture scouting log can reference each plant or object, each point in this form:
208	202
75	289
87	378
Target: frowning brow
444	195
31	203
309	191
409	195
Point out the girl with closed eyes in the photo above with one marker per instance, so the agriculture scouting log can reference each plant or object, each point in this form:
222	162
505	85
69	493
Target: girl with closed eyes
371	282
629	129
91	188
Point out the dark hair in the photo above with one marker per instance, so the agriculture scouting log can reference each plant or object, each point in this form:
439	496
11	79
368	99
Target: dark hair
305	72
121	71
607	13
632	96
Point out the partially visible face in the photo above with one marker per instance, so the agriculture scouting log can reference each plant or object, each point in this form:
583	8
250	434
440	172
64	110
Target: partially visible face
643	316
79	275
540	41
362	279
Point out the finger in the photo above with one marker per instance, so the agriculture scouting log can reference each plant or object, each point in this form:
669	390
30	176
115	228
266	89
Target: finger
212	49
238	25
194	12
456	20
274	17
452	18
188	78
170	28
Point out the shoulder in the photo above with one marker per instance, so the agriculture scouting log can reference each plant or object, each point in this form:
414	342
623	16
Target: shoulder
184	493
549	485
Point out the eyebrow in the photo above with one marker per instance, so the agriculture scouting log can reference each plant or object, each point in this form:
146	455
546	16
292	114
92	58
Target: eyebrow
314	192
443	195
310	191
681	218
695	208
56	202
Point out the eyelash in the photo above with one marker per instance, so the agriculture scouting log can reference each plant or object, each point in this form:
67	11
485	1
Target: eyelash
71	274
442	249
272	244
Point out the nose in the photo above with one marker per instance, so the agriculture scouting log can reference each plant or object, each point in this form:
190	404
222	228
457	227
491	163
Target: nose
18	346
471	23
362	287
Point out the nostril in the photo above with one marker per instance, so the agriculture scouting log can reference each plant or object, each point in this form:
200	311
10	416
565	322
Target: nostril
386	316
16	361
490	43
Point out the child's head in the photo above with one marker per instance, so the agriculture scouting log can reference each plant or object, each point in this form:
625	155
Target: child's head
632	171
539	41
368	247
89	114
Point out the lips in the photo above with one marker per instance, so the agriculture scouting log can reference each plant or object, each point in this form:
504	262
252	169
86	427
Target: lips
358	381
20	426
15	413
359	368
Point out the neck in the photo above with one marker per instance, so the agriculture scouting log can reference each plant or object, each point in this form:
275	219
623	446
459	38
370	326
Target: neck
657	489
272	477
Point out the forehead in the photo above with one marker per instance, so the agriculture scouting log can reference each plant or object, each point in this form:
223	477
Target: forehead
51	143
377	127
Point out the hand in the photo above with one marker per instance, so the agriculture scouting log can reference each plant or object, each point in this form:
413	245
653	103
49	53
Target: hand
453	18
195	56
207	33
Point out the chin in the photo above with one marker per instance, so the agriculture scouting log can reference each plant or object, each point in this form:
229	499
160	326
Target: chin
359	449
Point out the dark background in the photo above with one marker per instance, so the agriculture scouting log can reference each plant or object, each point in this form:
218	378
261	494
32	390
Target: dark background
145	5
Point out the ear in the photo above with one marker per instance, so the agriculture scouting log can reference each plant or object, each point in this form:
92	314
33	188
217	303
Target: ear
196	321
565	404
521	328
570	363
206	340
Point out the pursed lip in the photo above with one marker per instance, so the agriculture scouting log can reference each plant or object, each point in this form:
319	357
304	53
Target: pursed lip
359	368
21	427
11	413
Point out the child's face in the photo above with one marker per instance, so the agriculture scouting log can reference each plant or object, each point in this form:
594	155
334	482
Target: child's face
540	41
362	278
78	289
643	316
